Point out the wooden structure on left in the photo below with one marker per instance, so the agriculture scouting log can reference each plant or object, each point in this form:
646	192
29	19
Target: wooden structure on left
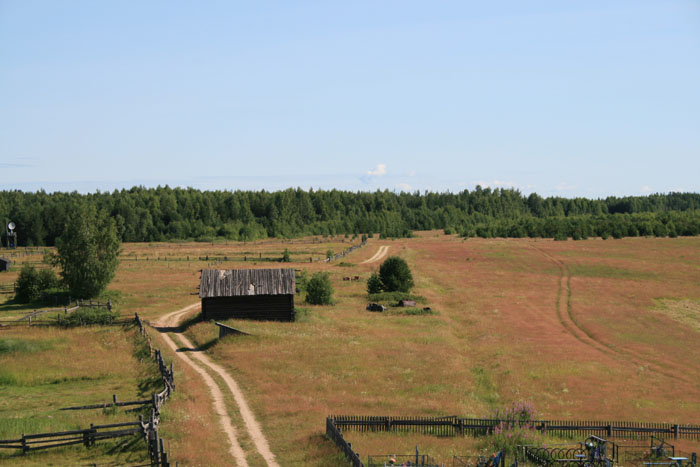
260	294
5	264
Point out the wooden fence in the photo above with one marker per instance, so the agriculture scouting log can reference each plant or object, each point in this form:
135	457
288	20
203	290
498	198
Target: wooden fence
88	436
456	426
335	434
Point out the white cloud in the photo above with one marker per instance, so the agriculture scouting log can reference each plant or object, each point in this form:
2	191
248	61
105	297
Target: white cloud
563	186
646	189
404	187
378	171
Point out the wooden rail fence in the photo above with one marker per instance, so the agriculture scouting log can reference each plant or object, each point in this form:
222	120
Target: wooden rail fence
335	434
454	426
88	436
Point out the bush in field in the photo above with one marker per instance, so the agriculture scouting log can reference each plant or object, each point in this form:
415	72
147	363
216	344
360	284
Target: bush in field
395	275
31	284
374	284
285	256
47	279
28	284
515	428
319	290
85	316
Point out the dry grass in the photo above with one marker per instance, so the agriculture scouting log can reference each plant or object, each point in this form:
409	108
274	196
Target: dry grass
497	339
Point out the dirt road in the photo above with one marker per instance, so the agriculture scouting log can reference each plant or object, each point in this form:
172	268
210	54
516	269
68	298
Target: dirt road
381	253
168	325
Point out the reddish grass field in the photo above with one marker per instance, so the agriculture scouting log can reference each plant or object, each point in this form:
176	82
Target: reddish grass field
585	330
589	330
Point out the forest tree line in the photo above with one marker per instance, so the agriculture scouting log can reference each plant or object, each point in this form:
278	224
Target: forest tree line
164	213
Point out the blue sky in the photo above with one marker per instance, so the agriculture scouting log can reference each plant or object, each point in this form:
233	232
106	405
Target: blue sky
568	98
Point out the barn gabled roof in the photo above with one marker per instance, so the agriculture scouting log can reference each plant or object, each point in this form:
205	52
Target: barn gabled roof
241	282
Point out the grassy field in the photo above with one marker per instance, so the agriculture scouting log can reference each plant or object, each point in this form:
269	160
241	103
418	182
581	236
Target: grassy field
44	369
590	330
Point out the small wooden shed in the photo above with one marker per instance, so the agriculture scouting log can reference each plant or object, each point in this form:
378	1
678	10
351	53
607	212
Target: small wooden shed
260	294
5	264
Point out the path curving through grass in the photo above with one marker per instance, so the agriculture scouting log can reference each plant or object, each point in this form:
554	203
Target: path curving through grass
170	323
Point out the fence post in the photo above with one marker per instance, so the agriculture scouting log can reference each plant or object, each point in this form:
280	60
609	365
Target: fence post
675	431
610	430
163	455
24	445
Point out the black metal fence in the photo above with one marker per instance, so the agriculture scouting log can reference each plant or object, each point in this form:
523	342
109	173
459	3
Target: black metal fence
457	426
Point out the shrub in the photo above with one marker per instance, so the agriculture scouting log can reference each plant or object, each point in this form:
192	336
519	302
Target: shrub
374	284
86	316
329	254
285	256
28	284
47	280
395	275
515	428
319	290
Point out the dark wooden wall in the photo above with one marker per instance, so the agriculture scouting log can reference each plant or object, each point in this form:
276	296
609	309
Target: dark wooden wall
258	307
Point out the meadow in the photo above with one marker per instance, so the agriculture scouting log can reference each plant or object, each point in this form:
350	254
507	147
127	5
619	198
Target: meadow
45	369
589	330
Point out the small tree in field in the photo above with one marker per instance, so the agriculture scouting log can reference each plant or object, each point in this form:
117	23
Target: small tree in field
395	275
374	284
319	290
27	284
87	252
285	256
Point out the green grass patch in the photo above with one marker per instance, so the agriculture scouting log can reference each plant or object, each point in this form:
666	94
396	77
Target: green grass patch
16	345
392	298
85	316
411	311
344	264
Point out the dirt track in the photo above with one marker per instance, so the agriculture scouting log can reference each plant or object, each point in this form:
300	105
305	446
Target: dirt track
381	253
171	321
566	318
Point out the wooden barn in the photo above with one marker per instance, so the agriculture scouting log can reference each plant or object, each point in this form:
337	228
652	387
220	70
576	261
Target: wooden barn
261	294
5	264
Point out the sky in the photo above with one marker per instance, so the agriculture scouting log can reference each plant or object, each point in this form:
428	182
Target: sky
563	98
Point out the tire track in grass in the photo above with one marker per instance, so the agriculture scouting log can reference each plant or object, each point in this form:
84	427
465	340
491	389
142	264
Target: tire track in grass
235	449
253	428
566	318
381	253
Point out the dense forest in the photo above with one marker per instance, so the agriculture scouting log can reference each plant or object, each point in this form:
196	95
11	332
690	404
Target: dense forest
163	213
